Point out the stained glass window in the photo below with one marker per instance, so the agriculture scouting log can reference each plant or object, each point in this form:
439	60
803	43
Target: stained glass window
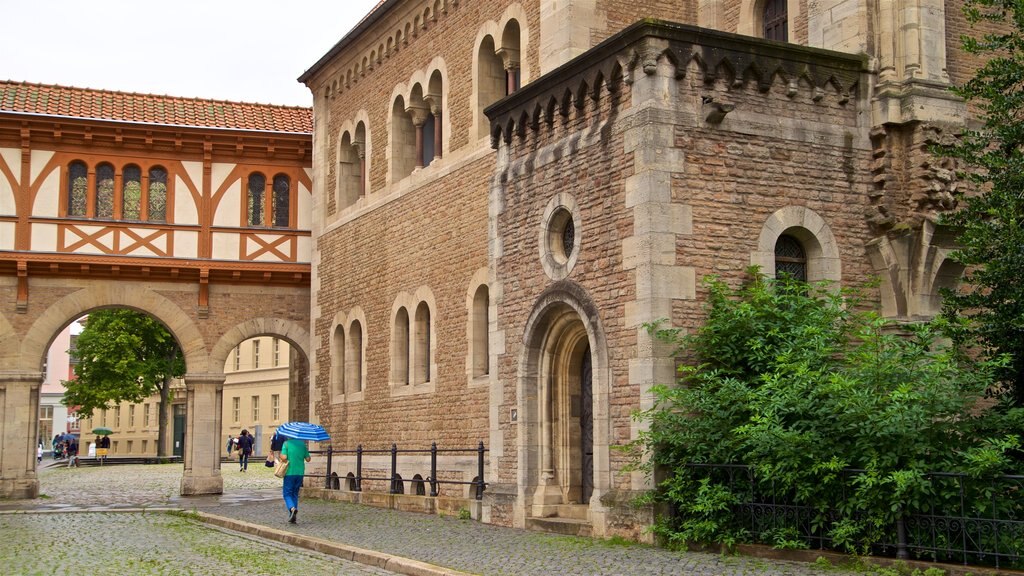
281	201
131	193
157	208
254	201
78	188
104	191
790	258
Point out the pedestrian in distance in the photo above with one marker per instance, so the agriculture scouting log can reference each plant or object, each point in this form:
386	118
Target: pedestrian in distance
296	454
71	449
276	442
39	453
244	447
102	448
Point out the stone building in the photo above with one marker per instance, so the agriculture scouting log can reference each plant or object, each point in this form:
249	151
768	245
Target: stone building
505	192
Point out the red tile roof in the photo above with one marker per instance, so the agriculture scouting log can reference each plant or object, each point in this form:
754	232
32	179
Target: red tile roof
151	109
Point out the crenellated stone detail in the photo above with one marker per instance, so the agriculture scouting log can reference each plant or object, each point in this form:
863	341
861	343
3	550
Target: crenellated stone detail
717	57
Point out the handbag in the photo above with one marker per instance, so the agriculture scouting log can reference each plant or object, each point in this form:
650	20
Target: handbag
270	461
280	469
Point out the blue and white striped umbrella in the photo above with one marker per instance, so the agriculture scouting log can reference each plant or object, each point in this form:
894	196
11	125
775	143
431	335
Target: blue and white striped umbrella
303	431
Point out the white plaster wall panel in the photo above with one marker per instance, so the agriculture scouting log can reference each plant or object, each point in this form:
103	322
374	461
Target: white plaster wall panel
305	215
7	205
48	197
44	237
159	243
11	158
185	209
186	244
225	246
38	161
227	208
252	246
305	249
96	245
6	235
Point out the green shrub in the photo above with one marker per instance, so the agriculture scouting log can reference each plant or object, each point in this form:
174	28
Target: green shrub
801	383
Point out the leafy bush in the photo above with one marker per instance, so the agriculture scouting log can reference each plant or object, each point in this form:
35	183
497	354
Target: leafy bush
801	383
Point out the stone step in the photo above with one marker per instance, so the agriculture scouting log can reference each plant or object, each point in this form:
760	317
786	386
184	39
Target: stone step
566	526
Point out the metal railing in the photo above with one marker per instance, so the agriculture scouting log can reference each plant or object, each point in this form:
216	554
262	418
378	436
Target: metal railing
967	520
395	479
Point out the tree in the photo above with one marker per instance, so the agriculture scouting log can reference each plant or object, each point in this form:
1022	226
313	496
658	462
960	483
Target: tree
990	301
124	356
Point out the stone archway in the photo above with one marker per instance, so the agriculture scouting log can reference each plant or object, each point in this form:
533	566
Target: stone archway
564	402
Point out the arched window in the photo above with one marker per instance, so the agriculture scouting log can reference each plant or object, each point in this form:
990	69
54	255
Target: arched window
354	359
78	189
104	191
281	201
403	141
254	199
156	209
400	348
422	349
790	258
479	331
131	193
338	361
775	20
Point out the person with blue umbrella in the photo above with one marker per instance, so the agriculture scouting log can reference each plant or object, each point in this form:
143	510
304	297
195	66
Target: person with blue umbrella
295	454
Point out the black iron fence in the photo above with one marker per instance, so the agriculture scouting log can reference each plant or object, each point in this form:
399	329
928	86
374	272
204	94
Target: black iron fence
396	483
965	520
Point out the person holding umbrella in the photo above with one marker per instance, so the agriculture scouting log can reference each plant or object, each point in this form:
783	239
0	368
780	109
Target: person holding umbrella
295	454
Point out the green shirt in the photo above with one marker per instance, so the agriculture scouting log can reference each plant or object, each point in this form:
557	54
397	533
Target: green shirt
296	453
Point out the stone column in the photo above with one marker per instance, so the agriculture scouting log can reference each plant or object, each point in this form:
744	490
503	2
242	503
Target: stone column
419	116
202	435
360	147
510	61
19	423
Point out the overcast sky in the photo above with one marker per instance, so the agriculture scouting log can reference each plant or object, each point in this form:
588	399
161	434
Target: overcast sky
243	50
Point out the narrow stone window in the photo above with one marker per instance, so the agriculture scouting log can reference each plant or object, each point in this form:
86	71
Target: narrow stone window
480	344
354	359
338	361
790	258
131	193
776	20
400	348
281	201
422	350
78	189
104	191
254	199
156	200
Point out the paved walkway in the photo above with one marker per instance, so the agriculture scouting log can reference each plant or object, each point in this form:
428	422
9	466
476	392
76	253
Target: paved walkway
404	542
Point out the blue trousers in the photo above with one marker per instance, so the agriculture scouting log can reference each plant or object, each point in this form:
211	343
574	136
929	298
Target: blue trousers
243	460
290	491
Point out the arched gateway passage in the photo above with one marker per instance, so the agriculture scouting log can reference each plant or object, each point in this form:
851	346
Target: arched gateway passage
206	346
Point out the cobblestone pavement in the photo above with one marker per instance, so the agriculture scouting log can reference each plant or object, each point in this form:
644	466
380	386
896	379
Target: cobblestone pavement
120	544
464	545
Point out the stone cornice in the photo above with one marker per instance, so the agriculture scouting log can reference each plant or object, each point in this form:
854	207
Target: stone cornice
643	44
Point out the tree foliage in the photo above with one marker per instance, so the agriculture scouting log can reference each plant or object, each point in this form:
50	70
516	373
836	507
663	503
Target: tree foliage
122	356
801	383
991	298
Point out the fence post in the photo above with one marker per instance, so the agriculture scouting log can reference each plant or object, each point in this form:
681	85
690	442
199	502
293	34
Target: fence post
480	471
433	469
394	466
901	536
359	468
327	476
